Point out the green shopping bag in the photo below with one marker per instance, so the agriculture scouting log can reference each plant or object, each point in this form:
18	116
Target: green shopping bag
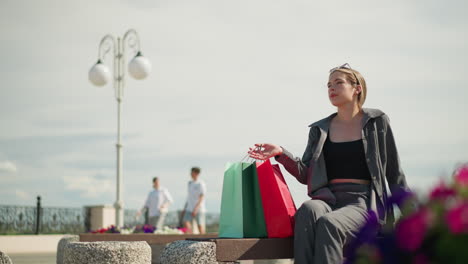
241	203
231	218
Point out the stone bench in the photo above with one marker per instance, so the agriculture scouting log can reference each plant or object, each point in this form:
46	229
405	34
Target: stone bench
227	250
4	259
135	252
62	244
157	242
189	252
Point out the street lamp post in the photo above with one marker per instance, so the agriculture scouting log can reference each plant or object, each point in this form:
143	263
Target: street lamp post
139	67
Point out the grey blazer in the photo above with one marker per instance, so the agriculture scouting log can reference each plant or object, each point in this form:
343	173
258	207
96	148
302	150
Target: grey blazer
381	156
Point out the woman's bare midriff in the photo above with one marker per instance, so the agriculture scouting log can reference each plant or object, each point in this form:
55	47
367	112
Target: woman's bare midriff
366	182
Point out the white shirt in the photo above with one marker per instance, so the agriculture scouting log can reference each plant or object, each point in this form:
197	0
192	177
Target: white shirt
156	198
195	189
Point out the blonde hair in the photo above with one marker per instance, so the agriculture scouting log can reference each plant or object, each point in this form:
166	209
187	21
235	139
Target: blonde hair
355	78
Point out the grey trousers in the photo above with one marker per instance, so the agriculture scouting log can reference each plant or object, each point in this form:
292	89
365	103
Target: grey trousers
157	221
321	229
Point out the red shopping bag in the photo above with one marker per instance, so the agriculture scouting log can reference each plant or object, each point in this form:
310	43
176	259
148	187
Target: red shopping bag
278	205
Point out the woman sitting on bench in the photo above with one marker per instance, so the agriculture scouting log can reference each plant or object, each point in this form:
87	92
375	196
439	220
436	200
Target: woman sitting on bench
348	157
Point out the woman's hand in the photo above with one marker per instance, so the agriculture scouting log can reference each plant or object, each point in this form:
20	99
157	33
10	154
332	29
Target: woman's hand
264	151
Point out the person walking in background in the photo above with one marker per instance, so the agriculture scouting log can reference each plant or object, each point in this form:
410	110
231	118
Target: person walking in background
195	205
157	204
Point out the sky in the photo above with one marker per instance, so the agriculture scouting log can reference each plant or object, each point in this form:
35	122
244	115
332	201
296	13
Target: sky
225	75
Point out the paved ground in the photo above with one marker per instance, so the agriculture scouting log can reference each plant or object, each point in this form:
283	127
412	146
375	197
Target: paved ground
49	258
39	258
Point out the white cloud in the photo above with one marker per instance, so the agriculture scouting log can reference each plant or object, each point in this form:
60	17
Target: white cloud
88	186
8	166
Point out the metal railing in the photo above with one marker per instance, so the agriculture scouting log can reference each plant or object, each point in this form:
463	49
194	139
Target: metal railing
45	220
56	220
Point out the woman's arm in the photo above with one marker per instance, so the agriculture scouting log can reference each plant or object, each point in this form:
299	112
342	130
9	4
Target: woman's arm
393	172
297	167
294	165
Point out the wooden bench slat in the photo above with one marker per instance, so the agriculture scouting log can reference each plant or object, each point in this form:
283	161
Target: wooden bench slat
232	249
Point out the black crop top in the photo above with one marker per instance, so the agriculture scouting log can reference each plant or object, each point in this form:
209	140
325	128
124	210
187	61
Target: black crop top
345	160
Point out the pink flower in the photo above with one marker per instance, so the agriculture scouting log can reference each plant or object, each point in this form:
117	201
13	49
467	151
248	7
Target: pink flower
461	176
442	191
457	218
184	230
410	231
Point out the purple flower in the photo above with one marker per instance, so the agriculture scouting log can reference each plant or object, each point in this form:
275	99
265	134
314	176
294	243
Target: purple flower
366	235
112	229
148	229
410	231
400	197
457	218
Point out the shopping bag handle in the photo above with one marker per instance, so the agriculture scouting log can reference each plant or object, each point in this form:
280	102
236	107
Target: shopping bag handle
249	159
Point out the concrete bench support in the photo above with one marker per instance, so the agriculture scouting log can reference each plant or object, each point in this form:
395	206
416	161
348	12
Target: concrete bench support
4	259
61	246
189	252
157	242
138	252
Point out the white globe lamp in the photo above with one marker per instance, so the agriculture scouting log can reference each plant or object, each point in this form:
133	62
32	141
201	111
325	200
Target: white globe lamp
139	67
99	74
